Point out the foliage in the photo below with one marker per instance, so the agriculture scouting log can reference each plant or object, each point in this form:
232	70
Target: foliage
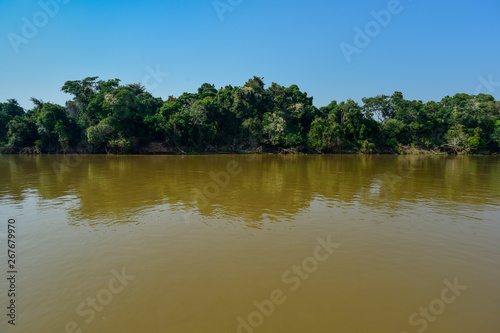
116	118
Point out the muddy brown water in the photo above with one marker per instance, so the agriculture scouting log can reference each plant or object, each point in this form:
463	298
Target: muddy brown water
242	243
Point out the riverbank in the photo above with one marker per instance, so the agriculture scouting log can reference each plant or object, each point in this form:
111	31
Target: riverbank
161	148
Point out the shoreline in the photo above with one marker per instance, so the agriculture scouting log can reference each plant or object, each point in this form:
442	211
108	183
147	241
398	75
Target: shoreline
158	148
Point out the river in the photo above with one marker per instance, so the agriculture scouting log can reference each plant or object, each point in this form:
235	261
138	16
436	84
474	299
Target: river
252	243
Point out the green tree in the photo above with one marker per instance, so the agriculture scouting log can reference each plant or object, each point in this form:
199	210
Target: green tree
54	126
8	111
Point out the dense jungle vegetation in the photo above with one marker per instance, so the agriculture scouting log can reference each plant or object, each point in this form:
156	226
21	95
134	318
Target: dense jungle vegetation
107	117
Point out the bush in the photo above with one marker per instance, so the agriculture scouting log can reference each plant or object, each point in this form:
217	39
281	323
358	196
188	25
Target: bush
118	146
100	133
366	146
392	142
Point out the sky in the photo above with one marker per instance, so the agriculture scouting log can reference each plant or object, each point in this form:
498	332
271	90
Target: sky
331	49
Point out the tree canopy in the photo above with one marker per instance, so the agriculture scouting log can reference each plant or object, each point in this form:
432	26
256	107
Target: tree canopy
110	117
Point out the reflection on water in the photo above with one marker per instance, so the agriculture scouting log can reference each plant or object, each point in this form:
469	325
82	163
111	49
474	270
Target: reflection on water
114	189
208	237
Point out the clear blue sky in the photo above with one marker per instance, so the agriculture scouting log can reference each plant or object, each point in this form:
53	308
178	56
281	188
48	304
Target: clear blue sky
429	49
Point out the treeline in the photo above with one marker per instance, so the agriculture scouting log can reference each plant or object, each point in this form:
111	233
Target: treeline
105	116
